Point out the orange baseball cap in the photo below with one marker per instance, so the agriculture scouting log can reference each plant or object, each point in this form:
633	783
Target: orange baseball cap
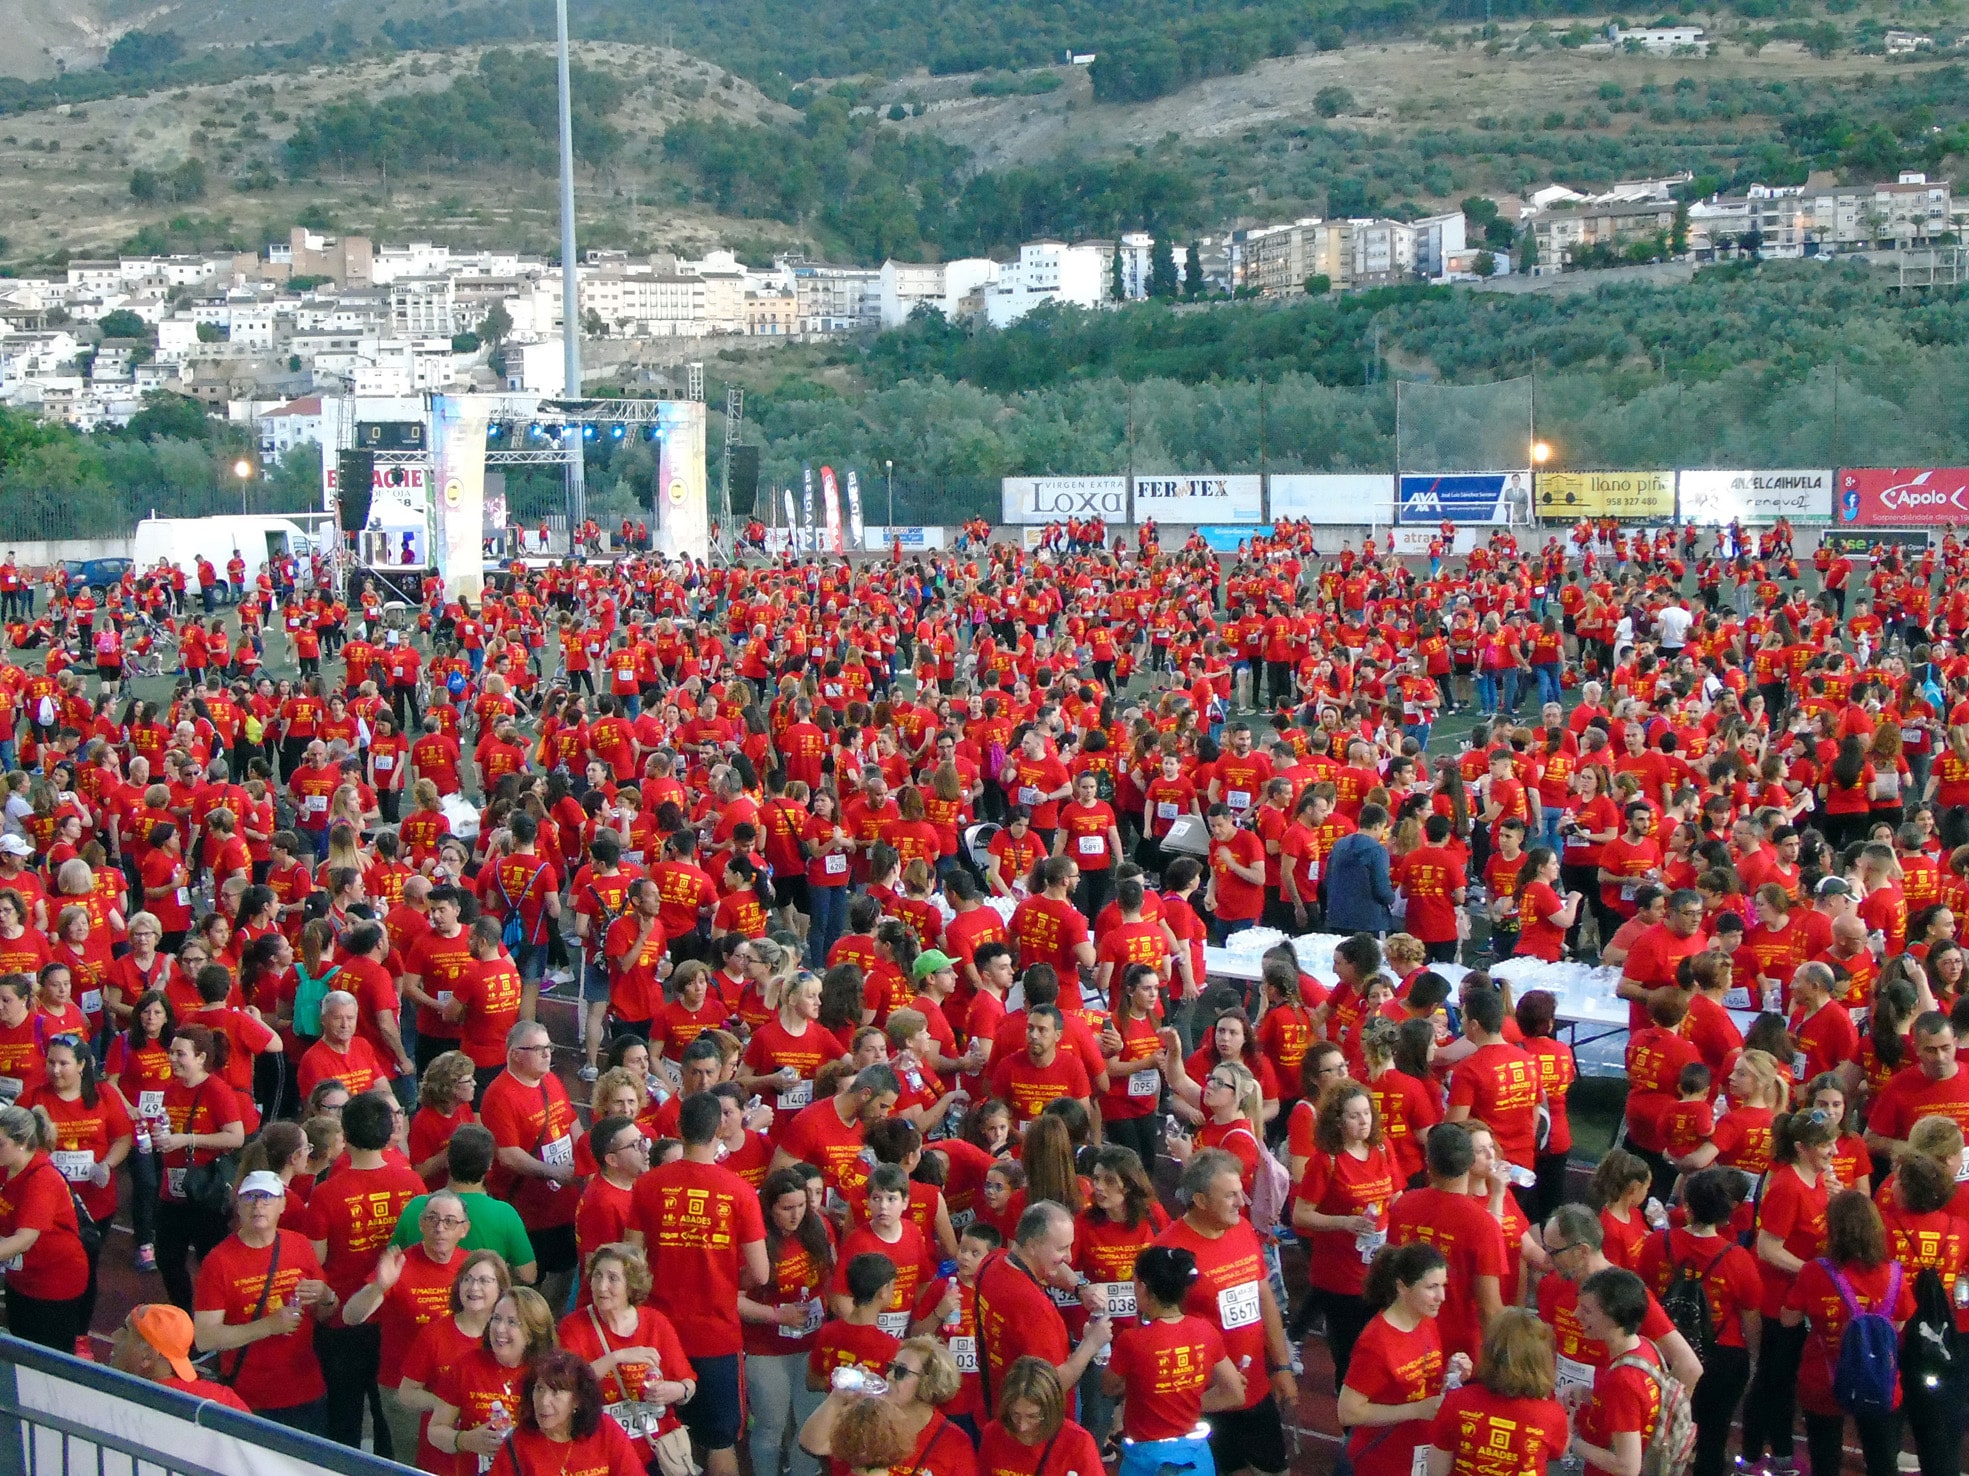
168	1330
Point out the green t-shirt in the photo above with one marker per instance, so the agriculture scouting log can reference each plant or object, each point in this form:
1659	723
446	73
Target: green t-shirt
495	1227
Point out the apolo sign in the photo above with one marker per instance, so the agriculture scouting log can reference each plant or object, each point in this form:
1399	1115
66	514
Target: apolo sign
1904	497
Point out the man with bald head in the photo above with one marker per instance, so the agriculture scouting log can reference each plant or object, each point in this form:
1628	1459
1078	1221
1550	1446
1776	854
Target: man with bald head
1823	1028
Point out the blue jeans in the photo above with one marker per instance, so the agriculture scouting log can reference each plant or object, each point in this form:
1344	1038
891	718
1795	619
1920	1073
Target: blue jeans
1549	686
1221	931
1549	828
1510	680
781	1402
1419	732
1486	693
828	919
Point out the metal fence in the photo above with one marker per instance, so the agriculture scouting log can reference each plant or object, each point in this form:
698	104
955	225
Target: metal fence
27	516
65	1417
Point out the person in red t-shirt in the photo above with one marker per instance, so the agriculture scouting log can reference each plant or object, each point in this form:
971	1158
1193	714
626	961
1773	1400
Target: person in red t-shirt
1169	1367
1236	893
1395	1379
1614	1420
1505	1419
1042	1072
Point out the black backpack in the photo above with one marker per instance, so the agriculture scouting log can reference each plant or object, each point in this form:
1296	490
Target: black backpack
1685	1301
1931	1351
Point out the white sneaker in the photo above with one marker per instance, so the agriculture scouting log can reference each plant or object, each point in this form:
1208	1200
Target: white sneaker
589	1073
560	976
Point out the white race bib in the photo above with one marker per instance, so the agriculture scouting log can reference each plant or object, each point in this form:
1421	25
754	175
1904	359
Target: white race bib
964	1353
1120	1298
1238	799
1579	841
1418	1461
559	1153
174	1181
184	896
1737	997
895	1324
800	1094
1093	845
1572	1371
834	864
1028	795
77	1165
1145	1083
1798	1065
443	998
812	1312
1627	890
960	1218
1238	1306
1166	810
12	1263
384	763
11	1087
1369	1245
150	1104
92	1001
314	803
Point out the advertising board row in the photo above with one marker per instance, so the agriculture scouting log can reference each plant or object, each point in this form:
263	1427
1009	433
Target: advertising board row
1877	497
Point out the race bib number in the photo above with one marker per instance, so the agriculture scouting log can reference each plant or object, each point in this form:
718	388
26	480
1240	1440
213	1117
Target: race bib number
1237	1306
174	1182
559	1153
1165	810
638	1419
1028	795
184	896
444	998
960	1218
92	1001
1572	1371
964	1353
809	1323
1093	845
800	1094
12	1263
1119	1298
1238	799
1798	1064
77	1165
1369	1245
1145	1083
895	1324
1737	997
834	864
1627	890
384	763
150	1104
315	803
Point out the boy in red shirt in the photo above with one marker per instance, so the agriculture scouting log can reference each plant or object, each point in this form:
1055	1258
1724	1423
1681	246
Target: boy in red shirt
856	1339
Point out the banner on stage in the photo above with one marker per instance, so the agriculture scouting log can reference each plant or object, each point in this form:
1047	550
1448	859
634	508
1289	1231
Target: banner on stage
458	425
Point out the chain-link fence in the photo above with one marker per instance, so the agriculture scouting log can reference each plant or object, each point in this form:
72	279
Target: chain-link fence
29	515
1463	427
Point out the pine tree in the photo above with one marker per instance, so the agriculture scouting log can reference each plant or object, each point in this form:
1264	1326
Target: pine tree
1117	288
1162	268
1193	273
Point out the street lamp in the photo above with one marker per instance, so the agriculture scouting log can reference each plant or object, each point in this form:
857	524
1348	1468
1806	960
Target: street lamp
243	469
1541	452
891	468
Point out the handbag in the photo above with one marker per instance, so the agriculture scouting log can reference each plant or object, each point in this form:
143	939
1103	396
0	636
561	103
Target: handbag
209	1186
673	1448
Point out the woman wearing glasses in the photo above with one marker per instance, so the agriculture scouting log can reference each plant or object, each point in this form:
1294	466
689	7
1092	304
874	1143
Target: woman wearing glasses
1233	1115
93	1136
921	1376
444	1341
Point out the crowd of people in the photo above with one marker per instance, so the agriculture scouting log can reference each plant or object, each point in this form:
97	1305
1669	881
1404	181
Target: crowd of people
898	1120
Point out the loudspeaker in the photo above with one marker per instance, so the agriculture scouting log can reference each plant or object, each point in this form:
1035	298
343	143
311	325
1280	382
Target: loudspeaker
745	482
355	478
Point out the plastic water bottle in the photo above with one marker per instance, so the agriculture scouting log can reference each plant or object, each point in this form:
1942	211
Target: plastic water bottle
142	1134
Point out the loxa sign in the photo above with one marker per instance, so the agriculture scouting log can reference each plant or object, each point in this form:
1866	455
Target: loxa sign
1024	500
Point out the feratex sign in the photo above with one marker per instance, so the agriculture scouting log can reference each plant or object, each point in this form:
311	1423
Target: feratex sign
1034	500
1903	497
1200	499
1717	497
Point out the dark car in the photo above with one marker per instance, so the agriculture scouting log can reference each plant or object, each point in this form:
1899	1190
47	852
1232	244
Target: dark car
95	574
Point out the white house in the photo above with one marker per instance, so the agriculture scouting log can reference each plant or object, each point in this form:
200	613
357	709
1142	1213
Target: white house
1047	272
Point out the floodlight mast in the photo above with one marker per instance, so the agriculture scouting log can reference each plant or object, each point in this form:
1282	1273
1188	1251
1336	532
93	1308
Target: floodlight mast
577	489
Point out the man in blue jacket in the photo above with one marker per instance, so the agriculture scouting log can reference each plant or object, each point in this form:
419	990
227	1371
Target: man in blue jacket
1360	896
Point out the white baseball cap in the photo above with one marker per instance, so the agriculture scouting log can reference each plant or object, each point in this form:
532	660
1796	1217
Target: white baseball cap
262	1181
13	845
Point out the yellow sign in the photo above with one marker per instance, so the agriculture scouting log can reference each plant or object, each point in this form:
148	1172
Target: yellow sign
1605	494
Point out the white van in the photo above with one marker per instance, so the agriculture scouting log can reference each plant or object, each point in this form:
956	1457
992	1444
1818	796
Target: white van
258	537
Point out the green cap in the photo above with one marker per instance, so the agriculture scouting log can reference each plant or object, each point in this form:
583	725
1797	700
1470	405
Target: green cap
929	961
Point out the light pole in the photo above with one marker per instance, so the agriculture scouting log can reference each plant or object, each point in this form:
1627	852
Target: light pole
891	468
243	469
577	486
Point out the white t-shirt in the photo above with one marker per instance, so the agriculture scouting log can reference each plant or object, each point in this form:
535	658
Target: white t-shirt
1673	623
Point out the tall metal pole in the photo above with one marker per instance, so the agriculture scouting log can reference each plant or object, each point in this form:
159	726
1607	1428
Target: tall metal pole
577	486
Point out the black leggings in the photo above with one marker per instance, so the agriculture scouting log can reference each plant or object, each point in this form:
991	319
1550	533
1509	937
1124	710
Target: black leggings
51	1323
1347	1318
182	1229
1143	1134
1769	1413
1714	1404
1880	1441
1934	1419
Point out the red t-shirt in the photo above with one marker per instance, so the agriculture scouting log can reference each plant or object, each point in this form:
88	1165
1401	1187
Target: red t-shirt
1470	1240
819	1137
1237	899
1390	1366
1558	1308
1166	1366
696	1219
1026	1087
37	1198
356	1211
473	1386
1485	1432
1815	1294
1227	1294
1624	1399
540	1121
1729	1276
280	1371
1795	1213
421	1296
1071	1451
1500	1085
1341	1184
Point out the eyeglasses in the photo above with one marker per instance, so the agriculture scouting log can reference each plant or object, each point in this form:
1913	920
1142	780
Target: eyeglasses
1560	1250
446	1222
901	1370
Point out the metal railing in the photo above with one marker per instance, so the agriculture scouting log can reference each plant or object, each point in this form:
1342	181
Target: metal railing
65	1417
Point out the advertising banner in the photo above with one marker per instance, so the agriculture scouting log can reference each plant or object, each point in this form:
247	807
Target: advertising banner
1615	494
1024	501
1465	497
807	505
683	513
1903	497
878	539
1343	499
458	439
1714	497
1860	545
854	510
1199	499
830	498
1413	543
1225	538
792	517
